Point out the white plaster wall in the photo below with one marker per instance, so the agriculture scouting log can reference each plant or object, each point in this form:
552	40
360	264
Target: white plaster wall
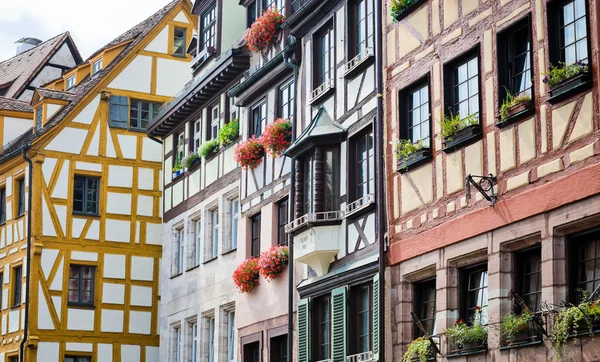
145	179
154	234
160	43
117	203
48	352
88	166
48	259
171	76
118	231
63	56
139	322
69	140
141	296
87	114
136	76
80	319
44	318
181	18
142	268
151	150
117	266
14	127
120	176
130	353
51	109
62	182
113	293
112	321
128	145
79	347
105	352
46	75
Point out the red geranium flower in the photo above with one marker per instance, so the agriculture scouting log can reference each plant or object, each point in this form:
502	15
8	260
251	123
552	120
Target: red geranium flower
249	154
273	262
262	33
277	136
245	277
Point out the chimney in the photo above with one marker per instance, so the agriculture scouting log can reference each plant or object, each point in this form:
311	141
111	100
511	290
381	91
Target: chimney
24	44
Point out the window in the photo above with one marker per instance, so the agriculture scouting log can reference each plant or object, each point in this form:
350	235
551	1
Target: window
585	265
235	218
251	15
17	273
463	87
233	110
16	359
214	250
568	30
365	164
277	4
97	66
21	200
197	240
308	183
38	118
474	285
329	175
178	252
259	116
231	336
197	135
211	339
282	220
2	206
119	112
332	180
322	331
363	26
179	41
194	341
208	21
1	284
214	123
70	82
361	318
514	61
141	113
180	148
255	242
528	277
415	124
252	352
324	61
425	305
176	344
77	359
286	100
279	348
81	284
85	195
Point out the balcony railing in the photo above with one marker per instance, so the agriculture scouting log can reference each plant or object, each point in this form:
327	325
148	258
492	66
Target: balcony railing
358	60
360	204
360	357
314	217
322	89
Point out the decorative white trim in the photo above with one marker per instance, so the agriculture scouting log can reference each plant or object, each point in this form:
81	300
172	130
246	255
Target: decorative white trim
361	357
358	60
360	204
312	217
322	89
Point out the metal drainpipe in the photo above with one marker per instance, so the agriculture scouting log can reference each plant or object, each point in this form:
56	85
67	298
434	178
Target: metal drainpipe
291	197
379	188
28	258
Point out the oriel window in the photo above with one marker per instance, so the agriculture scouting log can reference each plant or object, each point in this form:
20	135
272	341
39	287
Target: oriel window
365	164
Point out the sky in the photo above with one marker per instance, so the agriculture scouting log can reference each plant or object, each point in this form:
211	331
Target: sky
92	24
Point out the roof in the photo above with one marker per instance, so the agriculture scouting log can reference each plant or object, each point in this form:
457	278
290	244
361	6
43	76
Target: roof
55	94
321	127
20	70
10	104
138	33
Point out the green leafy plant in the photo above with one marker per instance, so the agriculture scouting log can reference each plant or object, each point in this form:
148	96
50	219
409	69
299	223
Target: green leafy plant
208	148
512	324
569	321
405	148
420	347
562	72
464	333
512	101
189	160
177	166
452	124
229	132
397	7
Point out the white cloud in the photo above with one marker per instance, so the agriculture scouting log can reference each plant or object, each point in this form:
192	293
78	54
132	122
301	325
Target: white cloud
92	24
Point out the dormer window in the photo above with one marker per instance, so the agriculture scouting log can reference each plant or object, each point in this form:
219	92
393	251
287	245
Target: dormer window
208	26
38	118
70	82
179	37
97	66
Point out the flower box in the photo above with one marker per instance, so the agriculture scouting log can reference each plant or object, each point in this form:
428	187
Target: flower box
515	113
273	262
463	137
249	154
265	31
176	173
245	277
400	9
531	333
569	86
414	160
277	137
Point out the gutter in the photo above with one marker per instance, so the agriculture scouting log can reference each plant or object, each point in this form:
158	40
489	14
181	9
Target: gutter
28	257
288	51
379	185
155	139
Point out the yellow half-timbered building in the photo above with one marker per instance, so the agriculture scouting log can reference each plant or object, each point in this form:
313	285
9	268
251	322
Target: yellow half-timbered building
86	181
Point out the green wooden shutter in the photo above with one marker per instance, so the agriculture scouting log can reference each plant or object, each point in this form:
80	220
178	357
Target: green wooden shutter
338	325
303	330
119	117
376	326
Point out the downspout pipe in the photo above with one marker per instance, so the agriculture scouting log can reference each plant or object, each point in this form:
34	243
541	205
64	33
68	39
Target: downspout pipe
379	185
291	199
28	257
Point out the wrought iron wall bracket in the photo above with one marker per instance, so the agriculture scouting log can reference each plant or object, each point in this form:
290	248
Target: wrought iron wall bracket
485	186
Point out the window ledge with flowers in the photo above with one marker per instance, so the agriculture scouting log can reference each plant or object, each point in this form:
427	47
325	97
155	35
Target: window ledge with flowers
514	108
467	339
567	80
265	31
519	330
412	155
457	132
399	9
575	321
271	264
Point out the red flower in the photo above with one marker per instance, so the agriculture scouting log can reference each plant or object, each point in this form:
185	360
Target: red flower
277	136
273	262
245	277
262	33
249	154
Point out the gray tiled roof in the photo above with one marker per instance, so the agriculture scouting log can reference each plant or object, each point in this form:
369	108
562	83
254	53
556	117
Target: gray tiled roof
54	94
10	104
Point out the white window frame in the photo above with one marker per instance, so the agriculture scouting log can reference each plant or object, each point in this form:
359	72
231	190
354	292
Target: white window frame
97	66
214	122
180	148
211	339
197	135
231	336
234	222
71	81
233	110
214	220
197	239
194	342
178	259
177	344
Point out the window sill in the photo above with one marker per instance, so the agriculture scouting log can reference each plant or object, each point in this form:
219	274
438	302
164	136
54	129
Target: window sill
192	268
232	142
176	178
137	130
415	160
229	251
19	216
518	113
359	206
570	87
16	306
195	166
521	344
176	275
212	155
81	306
408	11
179	55
322	91
209	260
469	352
464	137
359	63
79	213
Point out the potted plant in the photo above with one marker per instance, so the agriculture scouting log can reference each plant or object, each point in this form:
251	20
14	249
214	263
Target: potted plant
263	33
469	337
177	168
563	78
208	148
572	321
515	328
273	262
421	348
190	160
456	131
245	277
398	8
411	154
277	137
249	154
229	132
513	105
